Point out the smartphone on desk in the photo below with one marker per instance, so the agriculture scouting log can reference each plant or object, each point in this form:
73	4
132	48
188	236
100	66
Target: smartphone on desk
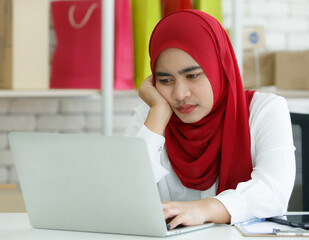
301	221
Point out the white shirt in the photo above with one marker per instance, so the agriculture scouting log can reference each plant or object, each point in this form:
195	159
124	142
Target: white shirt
272	150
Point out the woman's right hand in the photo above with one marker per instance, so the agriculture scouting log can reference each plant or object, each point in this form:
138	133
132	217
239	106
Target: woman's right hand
160	111
150	95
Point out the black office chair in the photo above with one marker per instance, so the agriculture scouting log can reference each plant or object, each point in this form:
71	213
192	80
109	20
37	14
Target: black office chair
300	196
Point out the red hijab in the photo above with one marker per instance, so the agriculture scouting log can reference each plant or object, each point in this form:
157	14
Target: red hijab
219	144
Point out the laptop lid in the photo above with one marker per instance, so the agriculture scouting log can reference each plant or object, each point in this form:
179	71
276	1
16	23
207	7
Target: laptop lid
88	183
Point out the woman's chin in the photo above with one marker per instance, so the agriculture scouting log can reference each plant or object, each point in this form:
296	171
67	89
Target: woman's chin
189	117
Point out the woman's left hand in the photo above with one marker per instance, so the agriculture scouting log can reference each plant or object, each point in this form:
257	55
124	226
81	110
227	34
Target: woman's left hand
196	212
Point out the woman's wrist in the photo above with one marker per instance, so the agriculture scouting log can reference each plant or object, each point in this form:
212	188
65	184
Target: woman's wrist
158	117
215	211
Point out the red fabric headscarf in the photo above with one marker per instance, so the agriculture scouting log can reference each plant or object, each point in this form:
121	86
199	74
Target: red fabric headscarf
218	144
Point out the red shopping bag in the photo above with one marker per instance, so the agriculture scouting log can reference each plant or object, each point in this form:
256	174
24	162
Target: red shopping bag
76	61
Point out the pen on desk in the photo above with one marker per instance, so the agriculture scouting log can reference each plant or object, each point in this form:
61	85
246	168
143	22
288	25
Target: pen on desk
252	221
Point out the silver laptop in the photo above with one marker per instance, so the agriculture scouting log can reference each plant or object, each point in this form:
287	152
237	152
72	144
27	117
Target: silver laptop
89	183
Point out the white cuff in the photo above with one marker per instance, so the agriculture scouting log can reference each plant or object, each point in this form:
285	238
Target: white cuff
235	205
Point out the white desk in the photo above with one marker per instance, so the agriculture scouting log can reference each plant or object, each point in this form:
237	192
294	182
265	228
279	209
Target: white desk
15	226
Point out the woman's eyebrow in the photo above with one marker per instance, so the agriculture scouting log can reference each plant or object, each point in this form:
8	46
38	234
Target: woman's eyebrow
189	69
163	74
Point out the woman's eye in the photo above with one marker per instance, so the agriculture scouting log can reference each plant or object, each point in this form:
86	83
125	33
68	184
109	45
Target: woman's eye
192	76
165	81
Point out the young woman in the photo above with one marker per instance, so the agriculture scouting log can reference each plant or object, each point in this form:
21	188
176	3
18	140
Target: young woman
219	153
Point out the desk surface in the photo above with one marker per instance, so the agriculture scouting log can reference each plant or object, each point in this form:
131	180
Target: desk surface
15	226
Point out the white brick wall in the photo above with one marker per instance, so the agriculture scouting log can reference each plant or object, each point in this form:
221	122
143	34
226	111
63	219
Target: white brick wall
276	41
298	41
287	25
267	8
3	141
300	9
17	123
12	175
4	175
33	106
79	105
286	22
4	106
60	122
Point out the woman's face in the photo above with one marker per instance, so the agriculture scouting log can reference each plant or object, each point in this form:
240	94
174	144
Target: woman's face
183	83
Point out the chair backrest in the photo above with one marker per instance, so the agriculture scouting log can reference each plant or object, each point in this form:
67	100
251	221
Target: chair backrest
300	196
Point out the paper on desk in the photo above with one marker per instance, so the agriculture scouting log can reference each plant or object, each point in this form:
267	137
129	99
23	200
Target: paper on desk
261	228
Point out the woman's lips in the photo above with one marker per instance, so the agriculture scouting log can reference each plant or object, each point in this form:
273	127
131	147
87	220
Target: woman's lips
187	108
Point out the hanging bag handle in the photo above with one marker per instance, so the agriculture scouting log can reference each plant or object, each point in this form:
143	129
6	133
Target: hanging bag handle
86	18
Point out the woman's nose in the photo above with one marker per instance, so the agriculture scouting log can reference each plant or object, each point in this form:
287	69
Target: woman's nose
181	90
